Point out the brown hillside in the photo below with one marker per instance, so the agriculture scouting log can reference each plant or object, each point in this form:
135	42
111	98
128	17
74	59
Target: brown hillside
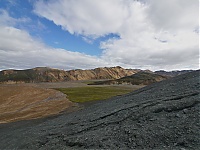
100	73
25	102
45	74
140	78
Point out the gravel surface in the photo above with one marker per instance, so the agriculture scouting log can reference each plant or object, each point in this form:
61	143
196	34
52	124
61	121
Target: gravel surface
164	115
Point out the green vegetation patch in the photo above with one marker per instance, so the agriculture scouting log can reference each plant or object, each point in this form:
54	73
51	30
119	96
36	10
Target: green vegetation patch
84	94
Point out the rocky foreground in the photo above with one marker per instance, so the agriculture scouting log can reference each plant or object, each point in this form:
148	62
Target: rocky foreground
164	115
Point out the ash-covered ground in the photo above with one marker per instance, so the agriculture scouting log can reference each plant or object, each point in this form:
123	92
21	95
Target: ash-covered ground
164	115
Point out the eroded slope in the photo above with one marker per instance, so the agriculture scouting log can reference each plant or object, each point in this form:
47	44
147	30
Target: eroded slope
45	74
26	102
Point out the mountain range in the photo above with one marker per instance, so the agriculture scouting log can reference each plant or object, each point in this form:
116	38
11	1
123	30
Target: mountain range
46	74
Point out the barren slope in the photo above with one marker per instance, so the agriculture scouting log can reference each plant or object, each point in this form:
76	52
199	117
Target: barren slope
164	115
26	102
140	78
45	74
100	73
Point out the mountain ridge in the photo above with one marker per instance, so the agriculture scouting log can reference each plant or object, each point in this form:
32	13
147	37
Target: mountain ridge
46	74
139	78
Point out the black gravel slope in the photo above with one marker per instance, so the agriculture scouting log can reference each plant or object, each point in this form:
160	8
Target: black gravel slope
164	115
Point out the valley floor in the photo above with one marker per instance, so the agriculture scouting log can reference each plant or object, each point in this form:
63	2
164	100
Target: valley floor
36	100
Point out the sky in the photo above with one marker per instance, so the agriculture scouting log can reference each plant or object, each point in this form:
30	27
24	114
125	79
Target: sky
85	34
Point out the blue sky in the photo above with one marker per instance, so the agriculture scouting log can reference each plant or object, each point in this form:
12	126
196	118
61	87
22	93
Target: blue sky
48	32
82	34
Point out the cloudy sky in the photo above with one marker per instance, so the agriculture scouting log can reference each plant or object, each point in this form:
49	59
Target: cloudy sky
83	34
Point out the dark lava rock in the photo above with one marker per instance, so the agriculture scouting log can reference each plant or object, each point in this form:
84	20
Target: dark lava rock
164	115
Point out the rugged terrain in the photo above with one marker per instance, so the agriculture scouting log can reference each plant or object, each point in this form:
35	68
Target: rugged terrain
140	78
45	74
101	73
163	115
172	73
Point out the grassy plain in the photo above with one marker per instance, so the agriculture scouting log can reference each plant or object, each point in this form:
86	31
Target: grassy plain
85	94
24	101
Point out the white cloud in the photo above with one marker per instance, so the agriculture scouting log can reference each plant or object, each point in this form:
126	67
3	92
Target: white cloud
86	17
8	20
16	40
174	14
155	34
5	18
19	50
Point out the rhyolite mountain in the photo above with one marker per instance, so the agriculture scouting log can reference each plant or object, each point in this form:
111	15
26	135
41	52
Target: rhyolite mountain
45	74
140	78
160	116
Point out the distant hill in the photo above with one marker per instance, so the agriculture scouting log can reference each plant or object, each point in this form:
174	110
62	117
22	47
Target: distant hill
172	73
100	73
40	74
45	74
140	78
